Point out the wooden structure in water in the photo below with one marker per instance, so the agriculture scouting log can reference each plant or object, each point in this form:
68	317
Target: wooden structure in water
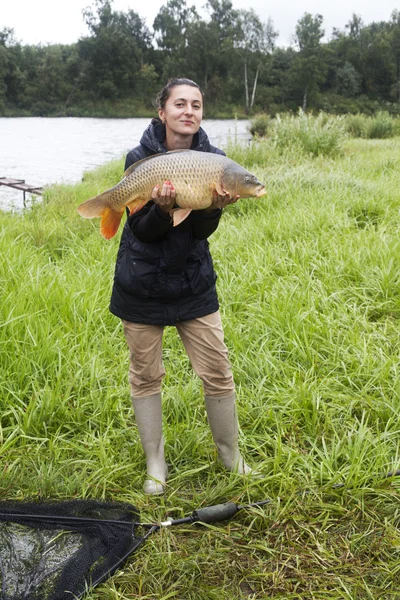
19	184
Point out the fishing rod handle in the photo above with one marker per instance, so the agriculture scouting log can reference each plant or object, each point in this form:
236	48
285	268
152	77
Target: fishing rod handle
216	513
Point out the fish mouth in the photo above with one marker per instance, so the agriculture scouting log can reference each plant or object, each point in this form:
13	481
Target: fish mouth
261	192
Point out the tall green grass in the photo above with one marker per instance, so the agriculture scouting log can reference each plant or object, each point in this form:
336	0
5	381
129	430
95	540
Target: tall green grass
319	135
322	134
380	126
309	287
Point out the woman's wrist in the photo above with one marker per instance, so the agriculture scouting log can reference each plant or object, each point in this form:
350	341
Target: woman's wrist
162	213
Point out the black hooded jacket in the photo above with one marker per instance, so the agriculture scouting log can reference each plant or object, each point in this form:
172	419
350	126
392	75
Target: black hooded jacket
164	274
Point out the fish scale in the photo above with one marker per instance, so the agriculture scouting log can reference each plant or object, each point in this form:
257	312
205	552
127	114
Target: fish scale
191	178
196	177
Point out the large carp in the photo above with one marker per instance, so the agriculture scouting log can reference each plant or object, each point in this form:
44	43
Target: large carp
196	177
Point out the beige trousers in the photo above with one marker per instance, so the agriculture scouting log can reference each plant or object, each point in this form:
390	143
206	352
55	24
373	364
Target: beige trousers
203	340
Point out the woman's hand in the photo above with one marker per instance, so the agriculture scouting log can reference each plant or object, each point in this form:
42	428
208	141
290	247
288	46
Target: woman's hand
164	197
221	200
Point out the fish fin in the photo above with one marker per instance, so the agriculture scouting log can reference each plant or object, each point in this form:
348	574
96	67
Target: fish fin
139	162
219	189
94	207
110	220
136	205
179	214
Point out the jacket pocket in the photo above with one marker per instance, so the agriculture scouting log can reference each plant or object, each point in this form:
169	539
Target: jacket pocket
200	271
137	269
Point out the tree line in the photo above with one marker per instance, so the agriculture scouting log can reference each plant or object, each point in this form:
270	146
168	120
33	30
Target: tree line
118	67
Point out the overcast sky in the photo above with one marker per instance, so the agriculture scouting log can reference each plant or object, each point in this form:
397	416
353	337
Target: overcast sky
52	21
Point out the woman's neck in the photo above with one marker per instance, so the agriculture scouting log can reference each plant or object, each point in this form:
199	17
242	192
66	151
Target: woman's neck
175	141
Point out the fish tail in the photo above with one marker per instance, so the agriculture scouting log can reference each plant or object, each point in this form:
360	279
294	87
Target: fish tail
99	207
110	221
95	206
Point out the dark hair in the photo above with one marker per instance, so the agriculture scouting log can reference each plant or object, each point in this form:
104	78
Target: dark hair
165	93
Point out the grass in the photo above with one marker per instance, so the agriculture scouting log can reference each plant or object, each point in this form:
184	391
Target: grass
380	126
309	288
322	134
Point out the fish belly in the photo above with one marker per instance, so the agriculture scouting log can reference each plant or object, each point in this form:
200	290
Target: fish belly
196	198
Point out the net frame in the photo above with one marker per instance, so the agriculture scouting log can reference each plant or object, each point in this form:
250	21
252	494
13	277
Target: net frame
58	550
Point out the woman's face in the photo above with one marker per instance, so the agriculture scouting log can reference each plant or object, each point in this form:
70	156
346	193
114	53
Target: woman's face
183	110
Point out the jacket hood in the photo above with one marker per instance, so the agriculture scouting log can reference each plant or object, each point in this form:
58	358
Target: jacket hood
154	137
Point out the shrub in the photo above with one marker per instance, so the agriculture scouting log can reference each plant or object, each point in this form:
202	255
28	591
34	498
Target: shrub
259	125
356	125
315	135
381	126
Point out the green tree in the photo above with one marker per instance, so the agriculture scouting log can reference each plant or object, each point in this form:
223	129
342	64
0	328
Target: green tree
12	80
348	80
281	75
5	35
223	21
171	25
309	68
231	53
394	37
51	82
369	50
210	47
222	31
379	69
148	81
172	33
201	46
256	41
115	52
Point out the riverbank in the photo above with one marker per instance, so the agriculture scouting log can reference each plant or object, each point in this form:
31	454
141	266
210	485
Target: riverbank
126	109
310	299
131	108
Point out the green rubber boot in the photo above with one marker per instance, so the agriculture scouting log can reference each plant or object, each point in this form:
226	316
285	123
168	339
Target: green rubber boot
222	417
148	415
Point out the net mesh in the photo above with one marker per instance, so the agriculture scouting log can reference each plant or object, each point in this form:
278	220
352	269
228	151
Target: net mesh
57	550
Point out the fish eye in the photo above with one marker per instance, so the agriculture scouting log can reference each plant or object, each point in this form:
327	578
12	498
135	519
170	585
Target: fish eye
247	179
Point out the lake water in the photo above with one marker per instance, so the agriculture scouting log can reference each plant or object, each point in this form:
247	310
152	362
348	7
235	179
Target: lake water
43	151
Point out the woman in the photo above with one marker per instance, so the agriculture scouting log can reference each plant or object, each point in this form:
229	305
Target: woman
164	276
